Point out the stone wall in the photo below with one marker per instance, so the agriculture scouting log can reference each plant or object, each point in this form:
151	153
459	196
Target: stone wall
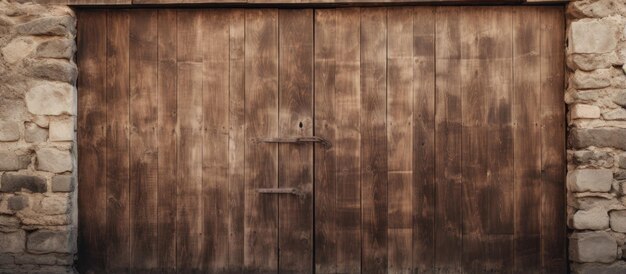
596	96
37	147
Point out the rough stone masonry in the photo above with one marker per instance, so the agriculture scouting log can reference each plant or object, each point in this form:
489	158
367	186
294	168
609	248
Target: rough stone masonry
596	96
37	144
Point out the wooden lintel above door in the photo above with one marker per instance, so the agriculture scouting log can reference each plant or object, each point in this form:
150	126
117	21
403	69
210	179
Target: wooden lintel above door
290	3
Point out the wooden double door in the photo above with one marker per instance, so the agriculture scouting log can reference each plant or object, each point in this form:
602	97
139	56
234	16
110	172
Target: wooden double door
405	139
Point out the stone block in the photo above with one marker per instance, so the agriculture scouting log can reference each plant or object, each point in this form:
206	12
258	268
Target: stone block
590	247
9	222
618	220
53	25
594	219
34	134
592	36
18	49
9	131
62	129
10	161
12	242
54	160
595	180
29	217
36	259
55	70
51	98
618	267
54	205
17	182
48	241
620	98
621	160
56	48
582	111
6	259
615	114
599	137
63	183
41	120
17	202
596	79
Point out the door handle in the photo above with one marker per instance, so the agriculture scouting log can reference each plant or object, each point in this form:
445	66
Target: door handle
306	139
280	190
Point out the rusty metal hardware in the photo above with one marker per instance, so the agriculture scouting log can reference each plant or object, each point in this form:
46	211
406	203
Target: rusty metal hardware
280	190
312	139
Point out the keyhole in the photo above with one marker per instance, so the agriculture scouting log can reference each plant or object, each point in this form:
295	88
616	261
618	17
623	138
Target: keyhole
301	125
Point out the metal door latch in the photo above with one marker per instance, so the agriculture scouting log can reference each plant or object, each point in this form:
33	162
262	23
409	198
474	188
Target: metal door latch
311	139
280	190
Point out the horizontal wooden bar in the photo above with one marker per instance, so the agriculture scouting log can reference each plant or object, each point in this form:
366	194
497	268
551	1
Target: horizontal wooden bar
287	3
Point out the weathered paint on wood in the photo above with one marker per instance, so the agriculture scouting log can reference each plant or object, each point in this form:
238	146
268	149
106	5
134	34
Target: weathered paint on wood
443	158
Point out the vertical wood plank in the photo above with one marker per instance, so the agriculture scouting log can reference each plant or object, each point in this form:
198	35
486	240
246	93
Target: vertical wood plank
348	140
261	70
527	138
295	168
117	156
143	139
216	46
553	229
166	135
424	139
325	127
374	142
236	144
448	118
190	239
92	140
399	138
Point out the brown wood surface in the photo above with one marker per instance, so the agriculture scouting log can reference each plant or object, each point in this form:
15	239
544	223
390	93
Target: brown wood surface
446	124
261	167
118	142
295	116
91	136
288	2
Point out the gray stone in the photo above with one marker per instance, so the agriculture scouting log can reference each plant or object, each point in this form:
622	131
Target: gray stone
12	242
590	247
16	182
589	62
54	160
18	49
618	220
6	259
9	161
29	217
592	36
615	114
620	175
583	111
51	98
55	25
599	137
62	129
595	180
56	70
36	259
620	98
592	80
34	134
594	219
54	205
47	241
618	267
57	48
63	183
17	202
9	222
622	160
41	121
9	131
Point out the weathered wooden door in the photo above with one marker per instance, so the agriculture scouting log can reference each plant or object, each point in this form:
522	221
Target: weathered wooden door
199	136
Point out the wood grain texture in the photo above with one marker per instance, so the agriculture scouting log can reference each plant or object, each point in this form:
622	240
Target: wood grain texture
167	98
423	140
92	140
553	240
295	115
526	113
261	169
143	139
215	90
326	127
448	132
118	142
252	3
399	112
